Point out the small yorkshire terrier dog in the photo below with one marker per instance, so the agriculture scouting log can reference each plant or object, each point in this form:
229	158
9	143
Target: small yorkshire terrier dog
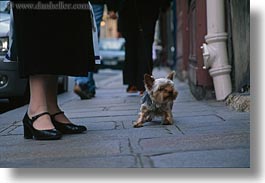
157	100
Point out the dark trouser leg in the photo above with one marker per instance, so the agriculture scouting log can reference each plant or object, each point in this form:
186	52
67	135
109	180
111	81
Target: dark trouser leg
130	66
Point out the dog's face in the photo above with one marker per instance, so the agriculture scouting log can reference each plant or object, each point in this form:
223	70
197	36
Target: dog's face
161	90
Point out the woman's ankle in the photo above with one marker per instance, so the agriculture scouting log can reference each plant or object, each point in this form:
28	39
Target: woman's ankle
35	110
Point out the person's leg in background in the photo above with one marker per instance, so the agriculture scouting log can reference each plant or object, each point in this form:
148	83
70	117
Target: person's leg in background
85	87
130	66
144	53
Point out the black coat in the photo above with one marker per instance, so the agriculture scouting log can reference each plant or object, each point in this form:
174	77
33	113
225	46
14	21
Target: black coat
55	42
135	12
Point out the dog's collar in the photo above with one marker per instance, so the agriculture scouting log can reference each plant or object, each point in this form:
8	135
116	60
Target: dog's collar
147	99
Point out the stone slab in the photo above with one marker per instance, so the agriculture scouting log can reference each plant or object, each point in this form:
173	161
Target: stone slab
227	158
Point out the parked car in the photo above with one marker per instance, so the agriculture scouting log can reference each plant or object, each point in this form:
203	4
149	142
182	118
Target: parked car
112	52
11	85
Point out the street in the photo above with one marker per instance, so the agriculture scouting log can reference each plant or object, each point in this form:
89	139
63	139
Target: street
204	134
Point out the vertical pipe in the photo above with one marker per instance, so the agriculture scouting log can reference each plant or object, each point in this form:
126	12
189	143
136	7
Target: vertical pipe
215	16
215	52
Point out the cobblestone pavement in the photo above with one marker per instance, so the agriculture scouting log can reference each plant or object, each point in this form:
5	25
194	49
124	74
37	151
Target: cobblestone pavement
204	134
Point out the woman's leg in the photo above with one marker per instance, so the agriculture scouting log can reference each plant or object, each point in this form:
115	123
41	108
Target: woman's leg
52	101
61	122
38	102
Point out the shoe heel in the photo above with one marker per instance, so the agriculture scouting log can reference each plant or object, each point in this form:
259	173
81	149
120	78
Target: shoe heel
27	132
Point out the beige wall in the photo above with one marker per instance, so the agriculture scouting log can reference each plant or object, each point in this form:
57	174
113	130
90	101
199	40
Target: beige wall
108	28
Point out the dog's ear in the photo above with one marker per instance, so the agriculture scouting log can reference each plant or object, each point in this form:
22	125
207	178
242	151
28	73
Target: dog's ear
171	75
149	81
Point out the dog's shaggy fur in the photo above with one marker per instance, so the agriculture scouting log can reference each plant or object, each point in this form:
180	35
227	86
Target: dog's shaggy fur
157	100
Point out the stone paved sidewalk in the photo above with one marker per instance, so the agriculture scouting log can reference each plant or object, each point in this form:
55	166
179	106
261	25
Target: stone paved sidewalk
205	133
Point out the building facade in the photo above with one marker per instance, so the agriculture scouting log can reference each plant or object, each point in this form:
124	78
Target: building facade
192	28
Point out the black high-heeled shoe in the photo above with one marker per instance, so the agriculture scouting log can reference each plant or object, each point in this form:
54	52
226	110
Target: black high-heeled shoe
31	133
67	128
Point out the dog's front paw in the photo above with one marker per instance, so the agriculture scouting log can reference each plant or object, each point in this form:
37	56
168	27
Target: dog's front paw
138	125
149	118
167	122
168	119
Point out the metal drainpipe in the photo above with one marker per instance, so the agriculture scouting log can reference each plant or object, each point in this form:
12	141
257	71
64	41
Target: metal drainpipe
215	51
